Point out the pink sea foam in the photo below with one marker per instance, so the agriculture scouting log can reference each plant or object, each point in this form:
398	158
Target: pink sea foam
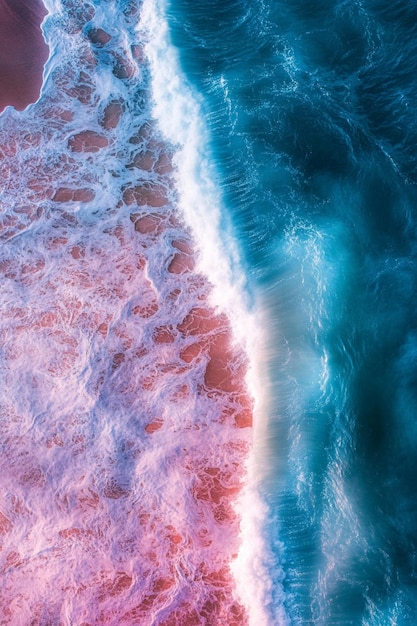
124	416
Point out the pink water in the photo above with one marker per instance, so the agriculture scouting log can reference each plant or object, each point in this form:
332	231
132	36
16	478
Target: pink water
124	414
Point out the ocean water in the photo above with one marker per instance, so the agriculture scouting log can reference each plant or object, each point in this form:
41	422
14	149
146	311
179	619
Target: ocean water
209	214
311	112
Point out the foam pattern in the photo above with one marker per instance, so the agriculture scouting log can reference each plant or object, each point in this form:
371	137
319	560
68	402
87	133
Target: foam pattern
124	413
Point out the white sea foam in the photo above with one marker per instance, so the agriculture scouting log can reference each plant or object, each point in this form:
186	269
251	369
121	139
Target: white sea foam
179	111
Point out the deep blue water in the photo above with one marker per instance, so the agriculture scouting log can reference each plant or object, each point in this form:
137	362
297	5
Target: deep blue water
312	114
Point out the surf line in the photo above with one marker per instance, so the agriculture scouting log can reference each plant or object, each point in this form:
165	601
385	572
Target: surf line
177	110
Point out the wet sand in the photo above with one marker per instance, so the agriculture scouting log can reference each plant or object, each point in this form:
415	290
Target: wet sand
23	52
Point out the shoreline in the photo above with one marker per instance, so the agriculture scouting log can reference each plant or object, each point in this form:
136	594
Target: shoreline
178	112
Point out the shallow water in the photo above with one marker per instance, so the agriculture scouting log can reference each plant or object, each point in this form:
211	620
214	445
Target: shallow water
125	415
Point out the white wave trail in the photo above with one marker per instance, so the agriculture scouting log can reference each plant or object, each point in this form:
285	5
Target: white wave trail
179	112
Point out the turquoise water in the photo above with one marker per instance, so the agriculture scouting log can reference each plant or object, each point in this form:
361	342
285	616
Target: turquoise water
312	118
